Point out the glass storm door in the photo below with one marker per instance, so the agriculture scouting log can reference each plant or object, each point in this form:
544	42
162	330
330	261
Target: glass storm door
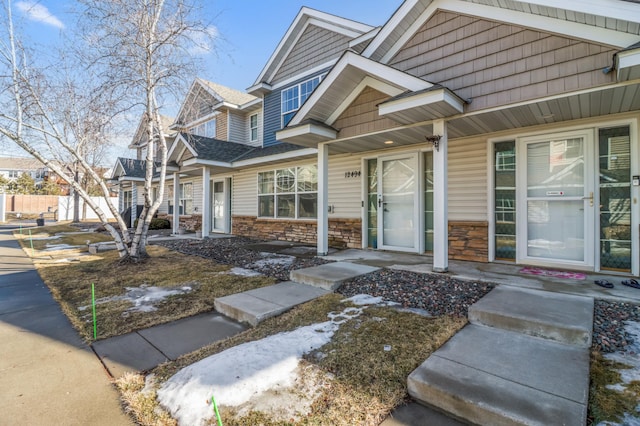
218	200
559	205
397	203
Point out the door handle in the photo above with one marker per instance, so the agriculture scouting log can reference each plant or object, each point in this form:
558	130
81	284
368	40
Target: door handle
590	198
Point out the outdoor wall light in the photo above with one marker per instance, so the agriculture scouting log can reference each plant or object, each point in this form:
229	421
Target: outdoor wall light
435	140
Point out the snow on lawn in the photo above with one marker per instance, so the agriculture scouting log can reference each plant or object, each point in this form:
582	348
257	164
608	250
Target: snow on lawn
631	358
56	247
243	272
143	298
245	373
277	259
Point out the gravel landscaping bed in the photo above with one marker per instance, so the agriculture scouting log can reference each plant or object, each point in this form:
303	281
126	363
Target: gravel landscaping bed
435	294
609	334
233	251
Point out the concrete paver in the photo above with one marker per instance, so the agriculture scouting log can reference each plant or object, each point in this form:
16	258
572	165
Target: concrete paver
186	335
254	306
128	353
414	414
49	376
561	317
330	275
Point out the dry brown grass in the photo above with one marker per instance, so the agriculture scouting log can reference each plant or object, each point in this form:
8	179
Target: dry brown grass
142	403
610	404
70	284
29	236
361	381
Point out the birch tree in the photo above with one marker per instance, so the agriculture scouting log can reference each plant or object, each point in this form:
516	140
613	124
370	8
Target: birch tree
137	54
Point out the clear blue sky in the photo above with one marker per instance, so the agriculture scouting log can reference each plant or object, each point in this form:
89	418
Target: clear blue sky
250	29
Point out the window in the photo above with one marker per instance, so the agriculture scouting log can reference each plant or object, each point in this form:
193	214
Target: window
293	97
288	193
253	125
127	200
505	200
14	173
185	201
206	129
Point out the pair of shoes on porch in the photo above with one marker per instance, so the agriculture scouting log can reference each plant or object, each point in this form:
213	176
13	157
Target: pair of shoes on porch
607	284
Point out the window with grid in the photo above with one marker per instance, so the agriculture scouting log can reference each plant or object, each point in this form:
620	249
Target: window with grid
293	97
185	200
253	126
288	193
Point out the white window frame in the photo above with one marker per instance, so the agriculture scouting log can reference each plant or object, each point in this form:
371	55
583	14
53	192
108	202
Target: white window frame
182	210
253	127
297	99
296	193
205	129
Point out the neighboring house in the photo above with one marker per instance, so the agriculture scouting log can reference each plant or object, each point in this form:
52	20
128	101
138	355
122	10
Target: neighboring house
473	130
13	167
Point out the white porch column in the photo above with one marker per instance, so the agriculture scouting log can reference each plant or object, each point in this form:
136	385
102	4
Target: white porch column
176	202
3	207
323	204
440	200
134	204
206	202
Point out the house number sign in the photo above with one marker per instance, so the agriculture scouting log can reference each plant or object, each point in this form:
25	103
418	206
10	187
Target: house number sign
352	174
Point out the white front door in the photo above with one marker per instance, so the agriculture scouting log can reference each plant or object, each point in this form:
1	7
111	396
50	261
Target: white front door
219	206
556	203
398	202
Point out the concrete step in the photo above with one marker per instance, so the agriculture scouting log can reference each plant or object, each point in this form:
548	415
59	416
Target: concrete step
491	376
560	317
254	306
330	275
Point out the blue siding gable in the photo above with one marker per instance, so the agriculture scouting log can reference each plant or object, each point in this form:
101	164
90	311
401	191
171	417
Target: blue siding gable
272	116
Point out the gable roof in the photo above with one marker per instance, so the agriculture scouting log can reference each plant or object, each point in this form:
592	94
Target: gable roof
227	94
129	167
20	164
140	134
612	22
221	96
305	17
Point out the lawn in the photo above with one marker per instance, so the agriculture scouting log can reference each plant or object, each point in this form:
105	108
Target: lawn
183	285
357	378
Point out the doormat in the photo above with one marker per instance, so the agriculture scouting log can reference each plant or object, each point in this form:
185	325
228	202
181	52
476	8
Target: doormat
556	274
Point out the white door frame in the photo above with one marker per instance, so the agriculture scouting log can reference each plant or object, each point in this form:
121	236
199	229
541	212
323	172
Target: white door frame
589	204
226	185
414	158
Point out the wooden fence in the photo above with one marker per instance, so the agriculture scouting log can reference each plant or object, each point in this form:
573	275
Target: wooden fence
31	204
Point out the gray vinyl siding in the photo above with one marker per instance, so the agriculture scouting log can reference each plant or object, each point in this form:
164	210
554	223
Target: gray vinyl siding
494	63
315	47
272	116
237	131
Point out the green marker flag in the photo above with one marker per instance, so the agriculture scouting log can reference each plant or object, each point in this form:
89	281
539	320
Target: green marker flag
215	409
93	306
31	241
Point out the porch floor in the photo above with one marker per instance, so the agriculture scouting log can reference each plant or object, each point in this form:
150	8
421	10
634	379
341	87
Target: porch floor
501	273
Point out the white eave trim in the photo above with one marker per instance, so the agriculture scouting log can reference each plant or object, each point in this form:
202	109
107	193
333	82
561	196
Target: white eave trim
306	129
364	37
625	60
338	24
278	157
374	69
260	89
198	162
185	145
422	99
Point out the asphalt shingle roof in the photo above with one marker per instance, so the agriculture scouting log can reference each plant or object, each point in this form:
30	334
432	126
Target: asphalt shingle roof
232	96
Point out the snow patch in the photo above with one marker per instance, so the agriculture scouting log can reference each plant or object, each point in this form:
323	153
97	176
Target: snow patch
56	247
52	237
275	260
243	272
243	376
366	299
631	358
143	298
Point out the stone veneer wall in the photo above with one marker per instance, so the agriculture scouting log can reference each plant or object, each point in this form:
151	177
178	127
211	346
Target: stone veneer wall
190	222
342	232
469	241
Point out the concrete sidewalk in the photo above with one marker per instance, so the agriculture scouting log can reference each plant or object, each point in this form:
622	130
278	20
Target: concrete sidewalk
49	376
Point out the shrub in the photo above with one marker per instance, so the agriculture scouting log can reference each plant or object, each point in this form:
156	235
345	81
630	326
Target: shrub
156	223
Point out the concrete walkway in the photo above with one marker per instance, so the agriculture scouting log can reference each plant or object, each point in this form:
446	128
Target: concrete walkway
523	360
48	376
